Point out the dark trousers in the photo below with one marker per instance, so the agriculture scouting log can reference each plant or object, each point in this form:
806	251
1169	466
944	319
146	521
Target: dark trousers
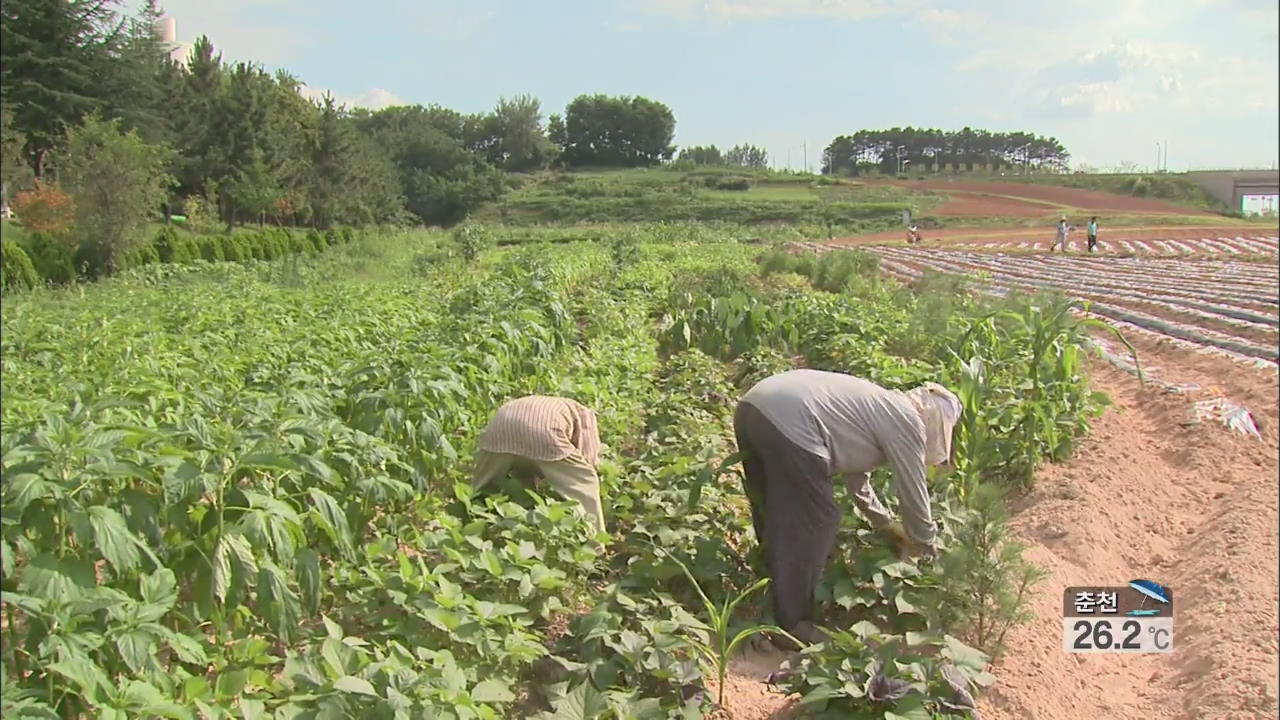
793	510
1093	242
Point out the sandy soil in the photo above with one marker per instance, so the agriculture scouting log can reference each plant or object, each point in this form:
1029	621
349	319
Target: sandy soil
747	696
1193	507
1083	200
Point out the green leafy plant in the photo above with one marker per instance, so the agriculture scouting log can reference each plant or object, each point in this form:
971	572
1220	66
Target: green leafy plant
717	652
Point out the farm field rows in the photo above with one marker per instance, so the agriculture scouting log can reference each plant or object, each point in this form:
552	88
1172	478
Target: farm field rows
1227	241
1242	245
1221	306
239	490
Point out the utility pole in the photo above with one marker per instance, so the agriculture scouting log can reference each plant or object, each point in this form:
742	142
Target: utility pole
805	146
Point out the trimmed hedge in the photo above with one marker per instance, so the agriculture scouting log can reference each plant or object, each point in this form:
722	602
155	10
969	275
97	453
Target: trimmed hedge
39	259
16	270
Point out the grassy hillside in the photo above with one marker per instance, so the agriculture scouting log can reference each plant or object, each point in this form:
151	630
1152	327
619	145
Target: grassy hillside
717	195
1174	188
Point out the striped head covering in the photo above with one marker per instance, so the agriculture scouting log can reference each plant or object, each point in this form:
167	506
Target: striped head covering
543	427
940	409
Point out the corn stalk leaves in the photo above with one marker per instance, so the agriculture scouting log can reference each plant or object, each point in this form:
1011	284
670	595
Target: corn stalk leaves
309	579
52	578
85	674
221	569
276	600
23	489
332	520
137	648
113	539
6	559
144	699
160	588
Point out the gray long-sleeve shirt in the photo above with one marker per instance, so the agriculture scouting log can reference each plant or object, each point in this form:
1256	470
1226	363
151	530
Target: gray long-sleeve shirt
856	426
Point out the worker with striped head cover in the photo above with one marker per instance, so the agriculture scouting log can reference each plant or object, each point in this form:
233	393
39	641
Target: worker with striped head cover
539	436
797	431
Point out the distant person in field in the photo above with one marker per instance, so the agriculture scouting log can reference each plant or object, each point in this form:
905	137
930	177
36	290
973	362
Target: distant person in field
539	436
1061	239
913	234
1093	233
799	430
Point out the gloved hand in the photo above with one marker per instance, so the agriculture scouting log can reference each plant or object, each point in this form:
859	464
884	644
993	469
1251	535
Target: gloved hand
896	537
902	544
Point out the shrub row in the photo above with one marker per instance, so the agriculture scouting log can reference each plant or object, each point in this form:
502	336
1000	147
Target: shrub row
39	259
667	208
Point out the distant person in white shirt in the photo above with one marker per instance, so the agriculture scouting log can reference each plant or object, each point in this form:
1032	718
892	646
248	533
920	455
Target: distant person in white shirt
1061	239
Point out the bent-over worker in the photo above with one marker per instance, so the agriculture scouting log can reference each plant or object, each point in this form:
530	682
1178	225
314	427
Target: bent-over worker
799	429
550	437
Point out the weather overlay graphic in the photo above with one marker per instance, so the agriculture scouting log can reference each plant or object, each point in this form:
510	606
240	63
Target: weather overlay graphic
1133	618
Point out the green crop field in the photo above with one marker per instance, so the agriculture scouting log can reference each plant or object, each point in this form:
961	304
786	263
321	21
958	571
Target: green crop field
717	195
237	490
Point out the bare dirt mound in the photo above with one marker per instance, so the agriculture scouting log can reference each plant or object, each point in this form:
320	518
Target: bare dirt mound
979	205
1064	197
1193	507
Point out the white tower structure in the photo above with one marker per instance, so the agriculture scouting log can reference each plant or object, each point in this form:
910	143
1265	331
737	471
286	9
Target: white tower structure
167	31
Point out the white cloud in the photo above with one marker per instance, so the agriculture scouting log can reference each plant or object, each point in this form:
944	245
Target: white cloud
1097	98
254	31
375	99
1170	84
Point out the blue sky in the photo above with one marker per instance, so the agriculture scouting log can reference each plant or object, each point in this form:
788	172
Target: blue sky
1109	78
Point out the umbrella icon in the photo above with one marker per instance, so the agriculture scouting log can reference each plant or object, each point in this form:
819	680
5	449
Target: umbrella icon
1149	589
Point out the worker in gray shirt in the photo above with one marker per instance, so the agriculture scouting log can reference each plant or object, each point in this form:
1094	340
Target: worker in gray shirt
798	430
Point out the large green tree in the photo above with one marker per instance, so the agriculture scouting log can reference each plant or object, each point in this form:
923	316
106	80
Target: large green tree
117	181
747	156
57	59
442	178
703	155
520	142
617	131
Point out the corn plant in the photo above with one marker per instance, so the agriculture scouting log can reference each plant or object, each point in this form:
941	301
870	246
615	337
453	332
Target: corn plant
720	648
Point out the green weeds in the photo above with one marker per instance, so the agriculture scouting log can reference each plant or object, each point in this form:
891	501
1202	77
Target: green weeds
232	489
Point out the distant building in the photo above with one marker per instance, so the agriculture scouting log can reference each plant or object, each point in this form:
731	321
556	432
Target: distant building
167	31
1252	192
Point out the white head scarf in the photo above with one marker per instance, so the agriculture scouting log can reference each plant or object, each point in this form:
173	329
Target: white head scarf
940	409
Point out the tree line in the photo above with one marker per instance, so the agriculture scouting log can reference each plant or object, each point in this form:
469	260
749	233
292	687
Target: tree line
234	143
246	145
747	156
884	150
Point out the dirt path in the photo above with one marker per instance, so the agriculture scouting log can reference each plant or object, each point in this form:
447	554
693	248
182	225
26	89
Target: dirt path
1192	507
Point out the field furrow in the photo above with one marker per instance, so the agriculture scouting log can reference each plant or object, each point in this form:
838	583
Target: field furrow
1224	307
1150	247
1196	333
1098	286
